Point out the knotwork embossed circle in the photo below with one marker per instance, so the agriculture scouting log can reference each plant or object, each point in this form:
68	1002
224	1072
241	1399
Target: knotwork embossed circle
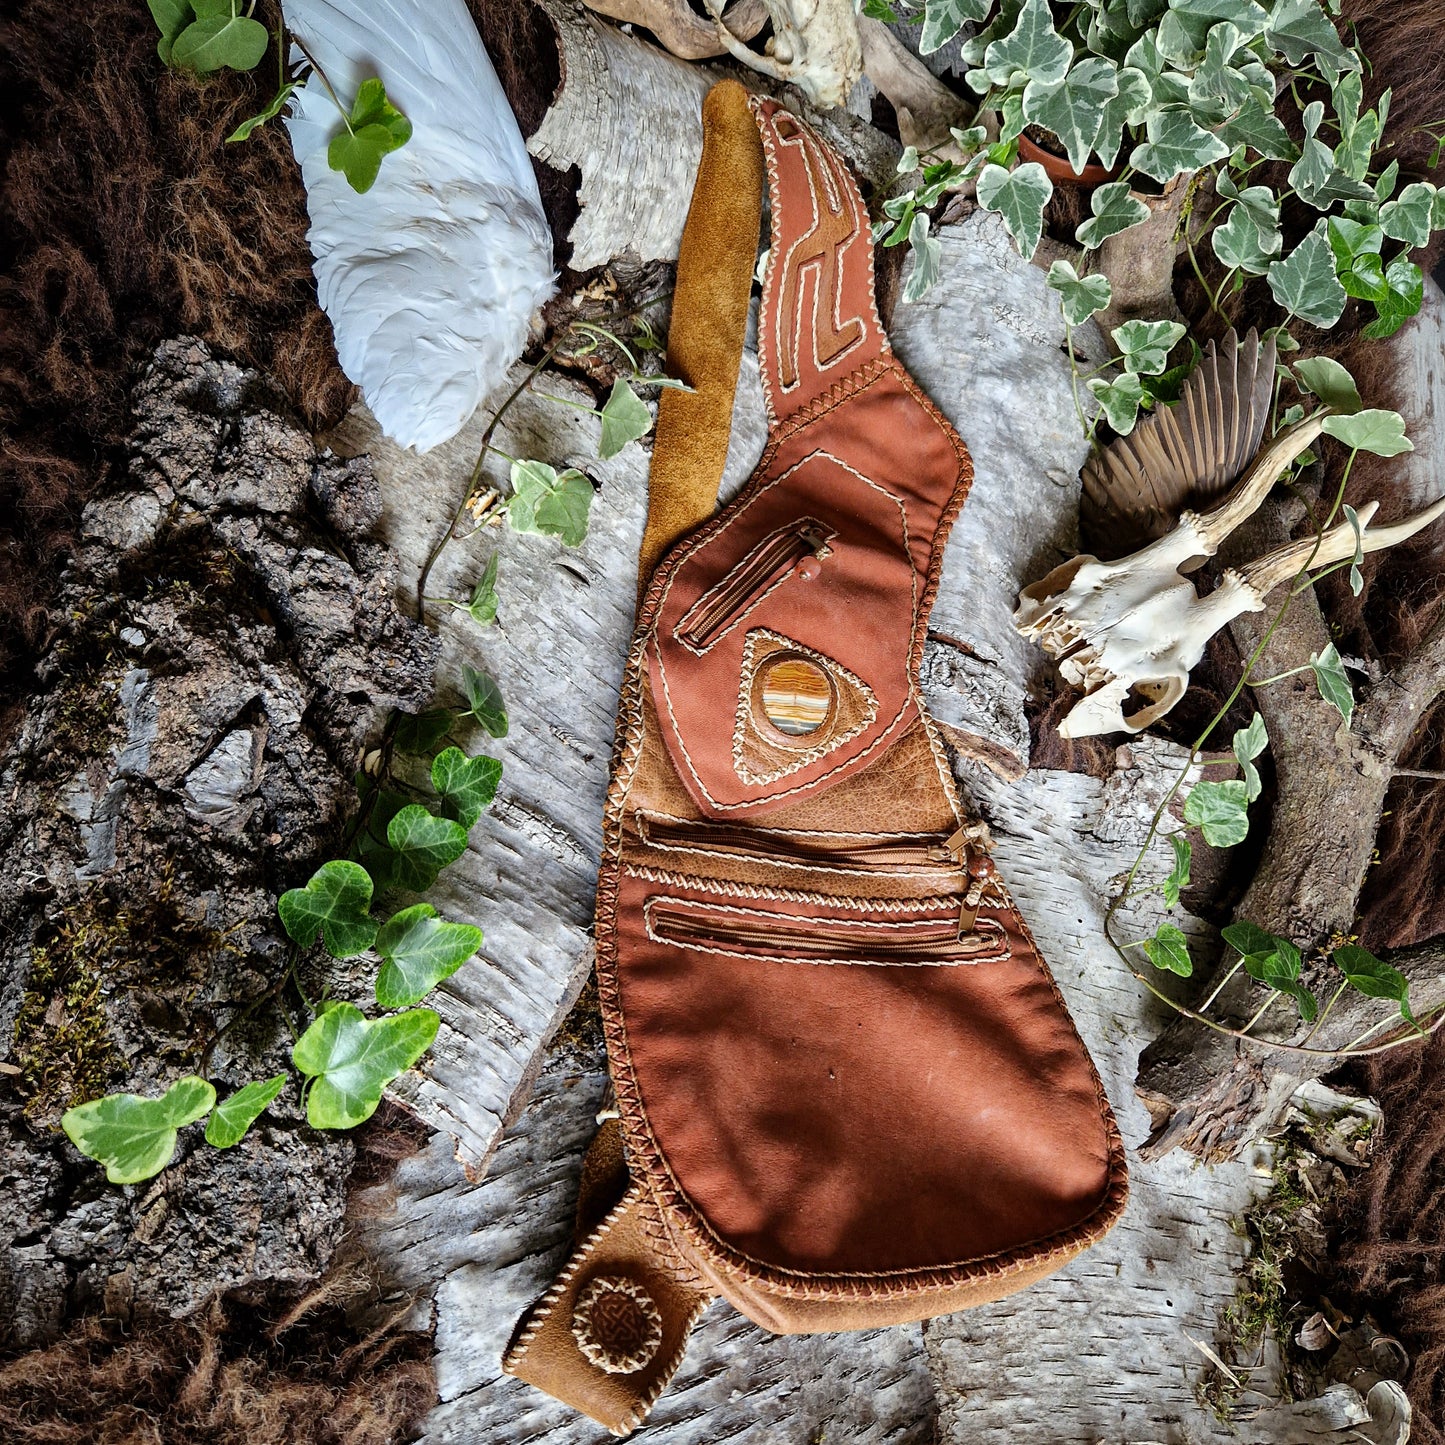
617	1325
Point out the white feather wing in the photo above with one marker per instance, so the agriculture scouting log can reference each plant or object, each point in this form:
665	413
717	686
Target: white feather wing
431	277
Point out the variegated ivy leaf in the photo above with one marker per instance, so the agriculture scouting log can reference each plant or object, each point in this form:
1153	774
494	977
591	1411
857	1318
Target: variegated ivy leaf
976	46
1258	201
1019	196
1181	37
1115	209
1175	145
1079	296
1305	284
1407	218
1261	131
1110	32
943	19
1357	578
1249	743
1329	670
1242	246
1300	28
1218	86
350	1059
1073	107
1032	50
1374	430
1220	811
1324	377
1145	345
135	1137
1120	400
1128	107
1247	16
927	259
1178	877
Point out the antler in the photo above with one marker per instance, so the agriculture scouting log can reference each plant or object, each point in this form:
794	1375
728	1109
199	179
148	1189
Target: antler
680	28
1214	526
1265	574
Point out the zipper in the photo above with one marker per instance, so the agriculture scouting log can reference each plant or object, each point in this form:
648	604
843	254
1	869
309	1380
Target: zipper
764	567
884	856
816	939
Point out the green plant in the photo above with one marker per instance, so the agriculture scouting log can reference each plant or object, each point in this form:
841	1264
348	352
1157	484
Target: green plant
1219	809
208	35
1169	88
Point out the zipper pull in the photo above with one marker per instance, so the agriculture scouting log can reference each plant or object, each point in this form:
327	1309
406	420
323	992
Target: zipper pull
808	568
970	847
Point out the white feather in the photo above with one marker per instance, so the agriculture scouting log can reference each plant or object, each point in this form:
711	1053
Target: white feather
431	278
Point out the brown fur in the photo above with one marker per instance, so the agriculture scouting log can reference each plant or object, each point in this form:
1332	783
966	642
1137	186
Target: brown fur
126	219
228	1376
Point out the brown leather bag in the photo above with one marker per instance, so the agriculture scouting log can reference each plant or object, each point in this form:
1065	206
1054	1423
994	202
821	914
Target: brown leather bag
848	1092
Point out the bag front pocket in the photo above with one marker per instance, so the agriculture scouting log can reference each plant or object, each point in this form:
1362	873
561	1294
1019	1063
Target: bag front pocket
767	566
774	936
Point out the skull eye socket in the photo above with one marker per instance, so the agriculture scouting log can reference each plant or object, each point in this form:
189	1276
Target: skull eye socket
796	696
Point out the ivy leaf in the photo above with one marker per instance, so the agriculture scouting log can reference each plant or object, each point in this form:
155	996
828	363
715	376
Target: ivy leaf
1373	977
1300	28
234	1115
135	1137
1145	345
482	608
1176	144
550	503
1407	217
1249	743
421	846
351	1059
334	903
1079	296
1261	131
1019	196
1334	685
1324	377
1241	245
1115	209
1169	949
1405	292
374	129
1220	812
1178	878
1073	106
418	951
1218	86
1357	578
1305	284
215	41
1373	430
171	17
484	700
1127	107
1032	50
419	733
625	418
1249	940
927	259
943	19
272	109
1120	399
466	785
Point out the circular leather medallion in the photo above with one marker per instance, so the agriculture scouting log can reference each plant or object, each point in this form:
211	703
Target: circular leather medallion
616	1324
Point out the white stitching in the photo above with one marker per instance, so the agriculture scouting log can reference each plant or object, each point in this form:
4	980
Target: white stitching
757	637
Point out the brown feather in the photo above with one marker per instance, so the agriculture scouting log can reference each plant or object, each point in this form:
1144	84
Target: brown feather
1182	456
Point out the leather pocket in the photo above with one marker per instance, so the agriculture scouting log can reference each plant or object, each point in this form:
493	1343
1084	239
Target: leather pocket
769	935
767	566
889	855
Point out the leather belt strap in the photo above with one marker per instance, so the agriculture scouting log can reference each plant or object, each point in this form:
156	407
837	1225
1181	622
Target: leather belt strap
709	321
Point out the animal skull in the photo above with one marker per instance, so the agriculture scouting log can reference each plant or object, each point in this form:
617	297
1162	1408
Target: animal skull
1133	629
814	45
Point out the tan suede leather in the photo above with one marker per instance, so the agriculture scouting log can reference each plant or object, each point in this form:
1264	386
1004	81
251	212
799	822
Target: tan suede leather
849	1091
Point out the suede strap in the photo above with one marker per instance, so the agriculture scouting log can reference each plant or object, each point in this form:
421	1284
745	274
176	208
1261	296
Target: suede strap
709	319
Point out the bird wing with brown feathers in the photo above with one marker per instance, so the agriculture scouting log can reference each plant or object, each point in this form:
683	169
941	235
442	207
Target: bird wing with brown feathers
1185	455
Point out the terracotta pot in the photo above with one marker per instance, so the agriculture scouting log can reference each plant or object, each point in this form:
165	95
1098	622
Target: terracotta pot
1060	172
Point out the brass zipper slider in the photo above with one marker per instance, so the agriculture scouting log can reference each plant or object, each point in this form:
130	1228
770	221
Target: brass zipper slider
970	846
